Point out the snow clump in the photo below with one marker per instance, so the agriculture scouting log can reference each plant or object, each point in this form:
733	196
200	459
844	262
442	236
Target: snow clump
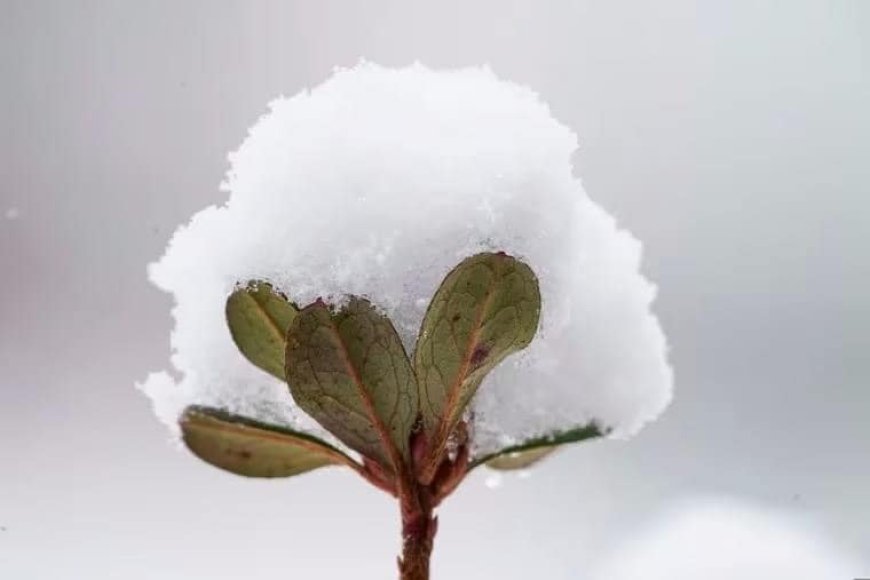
377	183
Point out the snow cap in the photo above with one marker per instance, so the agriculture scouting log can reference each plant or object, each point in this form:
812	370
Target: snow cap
376	183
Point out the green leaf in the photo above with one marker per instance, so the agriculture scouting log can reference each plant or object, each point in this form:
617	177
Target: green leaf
258	318
251	448
485	309
519	459
348	370
533	450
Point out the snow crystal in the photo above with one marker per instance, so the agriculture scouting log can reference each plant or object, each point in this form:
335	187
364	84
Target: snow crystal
722	539
377	183
493	480
13	213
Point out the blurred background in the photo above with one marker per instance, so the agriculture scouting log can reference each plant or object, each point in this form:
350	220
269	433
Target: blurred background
732	138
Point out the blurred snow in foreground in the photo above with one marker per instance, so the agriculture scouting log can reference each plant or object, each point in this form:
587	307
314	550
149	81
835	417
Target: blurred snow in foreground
724	539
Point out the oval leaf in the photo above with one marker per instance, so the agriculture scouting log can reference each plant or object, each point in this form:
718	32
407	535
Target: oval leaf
349	371
530	452
519	459
258	318
485	309
251	448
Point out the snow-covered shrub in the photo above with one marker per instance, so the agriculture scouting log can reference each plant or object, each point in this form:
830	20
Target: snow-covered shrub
350	207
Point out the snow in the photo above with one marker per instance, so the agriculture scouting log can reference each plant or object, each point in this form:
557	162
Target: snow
12	213
723	539
494	480
377	183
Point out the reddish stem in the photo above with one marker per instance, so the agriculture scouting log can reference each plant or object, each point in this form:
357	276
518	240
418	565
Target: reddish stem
418	499
418	530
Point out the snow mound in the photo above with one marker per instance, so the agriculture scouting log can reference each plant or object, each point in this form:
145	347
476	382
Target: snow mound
723	539
377	183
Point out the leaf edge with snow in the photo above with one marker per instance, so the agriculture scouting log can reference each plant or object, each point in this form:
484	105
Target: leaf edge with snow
252	448
531	451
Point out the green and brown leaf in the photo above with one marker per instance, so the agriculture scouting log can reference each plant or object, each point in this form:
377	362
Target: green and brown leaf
258	318
519	459
254	449
485	309
349	370
530	452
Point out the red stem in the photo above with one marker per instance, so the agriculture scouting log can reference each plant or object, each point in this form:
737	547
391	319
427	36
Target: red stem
418	530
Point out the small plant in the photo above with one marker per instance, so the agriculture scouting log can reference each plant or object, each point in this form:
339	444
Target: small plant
406	417
366	190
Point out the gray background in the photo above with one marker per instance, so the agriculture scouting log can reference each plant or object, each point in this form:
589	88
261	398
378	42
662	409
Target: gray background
731	137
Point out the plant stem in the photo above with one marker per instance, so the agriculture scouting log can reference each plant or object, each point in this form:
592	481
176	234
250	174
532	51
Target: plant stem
418	530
